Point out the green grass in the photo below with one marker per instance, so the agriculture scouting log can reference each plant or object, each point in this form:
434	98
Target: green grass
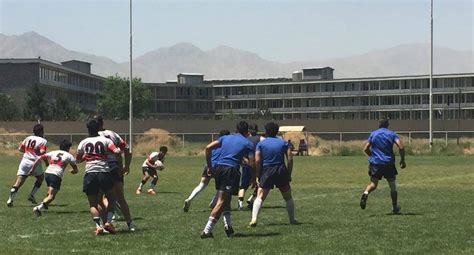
436	195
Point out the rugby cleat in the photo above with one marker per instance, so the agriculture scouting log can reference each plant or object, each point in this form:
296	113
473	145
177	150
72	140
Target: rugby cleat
110	228
37	211
186	206
206	235
229	230
131	227
396	209
10	203
253	224
151	192
99	231
138	192
363	201
32	199
240	205
294	222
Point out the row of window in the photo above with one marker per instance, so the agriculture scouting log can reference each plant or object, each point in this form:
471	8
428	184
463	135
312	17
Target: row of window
68	78
183	92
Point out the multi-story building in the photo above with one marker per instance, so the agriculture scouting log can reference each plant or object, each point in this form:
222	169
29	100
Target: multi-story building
71	79
314	94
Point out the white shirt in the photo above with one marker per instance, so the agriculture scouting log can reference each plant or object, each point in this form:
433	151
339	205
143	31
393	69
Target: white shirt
94	151
33	146
58	161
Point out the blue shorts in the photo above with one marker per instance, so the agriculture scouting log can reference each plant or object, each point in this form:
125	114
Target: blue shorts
246	177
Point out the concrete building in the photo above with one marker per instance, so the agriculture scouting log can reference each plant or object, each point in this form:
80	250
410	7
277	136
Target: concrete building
71	79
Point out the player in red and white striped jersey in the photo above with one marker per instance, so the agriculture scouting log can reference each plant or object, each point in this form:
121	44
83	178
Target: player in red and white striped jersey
58	161
98	178
152	163
32	147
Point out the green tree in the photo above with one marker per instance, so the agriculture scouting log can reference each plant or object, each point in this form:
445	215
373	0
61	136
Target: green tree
64	110
36	105
8	109
113	100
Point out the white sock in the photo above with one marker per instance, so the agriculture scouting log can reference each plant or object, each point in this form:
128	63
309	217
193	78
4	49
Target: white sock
227	219
140	186
12	194
290	207
33	191
196	191
210	225
257	204
40	206
241	204
366	192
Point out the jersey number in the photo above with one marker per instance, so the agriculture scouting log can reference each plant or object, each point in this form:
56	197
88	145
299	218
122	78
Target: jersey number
31	144
98	148
58	158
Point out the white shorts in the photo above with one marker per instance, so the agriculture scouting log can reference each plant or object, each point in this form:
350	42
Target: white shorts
25	166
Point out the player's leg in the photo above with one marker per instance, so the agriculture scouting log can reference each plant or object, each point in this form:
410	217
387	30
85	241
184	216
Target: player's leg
106	182
20	180
143	181
290	204
54	185
244	185
262	194
95	213
122	202
252	198
394	195
36	187
375	172
213	202
153	183
223	199
200	187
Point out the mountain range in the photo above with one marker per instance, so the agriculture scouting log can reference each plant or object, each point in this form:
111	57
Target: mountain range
224	62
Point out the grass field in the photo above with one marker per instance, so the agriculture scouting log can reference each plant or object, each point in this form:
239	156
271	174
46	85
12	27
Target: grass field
436	195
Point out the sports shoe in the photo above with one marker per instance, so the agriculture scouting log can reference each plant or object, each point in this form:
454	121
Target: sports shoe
294	222
186	206
206	235
131	227
240	205
37	211
151	192
138	192
253	224
396	209
228	230
10	203
99	231
110	228
32	199
363	200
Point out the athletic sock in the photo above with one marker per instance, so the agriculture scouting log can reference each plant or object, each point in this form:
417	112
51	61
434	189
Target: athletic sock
241	202
35	189
290	207
153	184
40	206
226	218
210	225
96	221
366	192
196	191
257	204
13	191
141	185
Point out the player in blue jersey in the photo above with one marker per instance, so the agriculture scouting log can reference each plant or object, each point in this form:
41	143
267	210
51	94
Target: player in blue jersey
379	148
205	177
271	171
226	174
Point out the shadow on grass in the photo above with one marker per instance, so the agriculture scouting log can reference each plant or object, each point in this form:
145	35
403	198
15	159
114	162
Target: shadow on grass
238	235
122	219
167	192
58	205
288	224
273	207
67	212
397	214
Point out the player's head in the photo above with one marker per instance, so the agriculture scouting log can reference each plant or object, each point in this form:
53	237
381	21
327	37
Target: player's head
65	145
253	129
271	129
93	127
224	132
100	120
242	128
163	149
383	122
38	130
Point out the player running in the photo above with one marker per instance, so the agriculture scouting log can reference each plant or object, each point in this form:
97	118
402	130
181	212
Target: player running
32	147
118	169
98	177
58	161
379	148
152	163
227	175
205	177
271	171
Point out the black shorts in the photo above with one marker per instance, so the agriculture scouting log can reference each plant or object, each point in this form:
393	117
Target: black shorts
149	170
117	175
276	175
205	174
97	181
53	181
227	179
376	172
246	177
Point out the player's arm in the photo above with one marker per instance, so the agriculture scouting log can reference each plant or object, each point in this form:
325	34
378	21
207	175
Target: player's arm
42	149
128	160
367	148
401	149
21	148
257	166
289	160
211	146
79	154
74	169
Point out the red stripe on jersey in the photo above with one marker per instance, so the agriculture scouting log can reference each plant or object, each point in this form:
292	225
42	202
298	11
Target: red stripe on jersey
58	163
30	150
90	157
151	161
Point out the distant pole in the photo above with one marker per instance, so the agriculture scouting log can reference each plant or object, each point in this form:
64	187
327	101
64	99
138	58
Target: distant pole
431	76
459	115
130	120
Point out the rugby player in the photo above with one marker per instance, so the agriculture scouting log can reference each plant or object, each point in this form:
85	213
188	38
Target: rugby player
153	162
271	171
98	178
32	147
227	175
58	161
379	149
118	169
205	177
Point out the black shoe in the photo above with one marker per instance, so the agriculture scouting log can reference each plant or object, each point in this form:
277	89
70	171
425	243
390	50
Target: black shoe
363	201
397	209
229	231
32	199
37	211
208	235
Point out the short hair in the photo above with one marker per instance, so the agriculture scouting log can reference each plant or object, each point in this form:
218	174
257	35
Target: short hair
99	119
242	127
271	129
93	126
163	149
383	122
224	132
38	129
65	145
253	128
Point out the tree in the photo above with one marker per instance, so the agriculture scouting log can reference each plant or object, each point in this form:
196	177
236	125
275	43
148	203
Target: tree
64	110
113	100
36	106
8	111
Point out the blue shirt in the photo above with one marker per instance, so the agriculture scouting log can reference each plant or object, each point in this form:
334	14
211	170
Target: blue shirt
215	156
381	146
233	149
272	151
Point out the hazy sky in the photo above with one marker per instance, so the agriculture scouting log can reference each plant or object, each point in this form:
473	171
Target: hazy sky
278	30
